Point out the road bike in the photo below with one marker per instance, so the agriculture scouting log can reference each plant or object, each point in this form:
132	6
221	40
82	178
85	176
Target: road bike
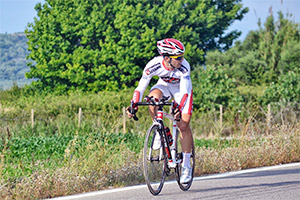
159	162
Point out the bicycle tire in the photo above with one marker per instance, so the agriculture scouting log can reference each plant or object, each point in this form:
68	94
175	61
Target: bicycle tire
154	162
184	186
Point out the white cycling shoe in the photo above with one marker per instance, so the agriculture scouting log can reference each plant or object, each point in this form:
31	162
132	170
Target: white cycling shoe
186	175
157	142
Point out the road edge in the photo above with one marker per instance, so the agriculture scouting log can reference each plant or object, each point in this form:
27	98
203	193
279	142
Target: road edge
211	176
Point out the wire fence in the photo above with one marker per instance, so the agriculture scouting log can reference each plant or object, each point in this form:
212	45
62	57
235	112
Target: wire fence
275	113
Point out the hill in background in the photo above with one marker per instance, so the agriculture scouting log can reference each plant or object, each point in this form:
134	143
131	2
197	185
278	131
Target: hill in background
13	63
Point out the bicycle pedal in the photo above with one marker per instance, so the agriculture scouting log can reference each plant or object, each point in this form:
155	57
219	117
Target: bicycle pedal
179	161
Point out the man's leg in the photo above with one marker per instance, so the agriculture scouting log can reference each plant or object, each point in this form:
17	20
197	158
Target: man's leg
186	137
186	140
156	93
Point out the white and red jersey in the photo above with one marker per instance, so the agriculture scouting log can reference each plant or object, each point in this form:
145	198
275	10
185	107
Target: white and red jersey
177	81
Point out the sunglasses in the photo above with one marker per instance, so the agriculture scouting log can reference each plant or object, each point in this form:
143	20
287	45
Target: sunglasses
177	57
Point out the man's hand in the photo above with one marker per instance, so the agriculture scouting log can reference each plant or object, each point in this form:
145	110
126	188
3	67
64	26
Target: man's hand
131	110
177	114
176	111
131	113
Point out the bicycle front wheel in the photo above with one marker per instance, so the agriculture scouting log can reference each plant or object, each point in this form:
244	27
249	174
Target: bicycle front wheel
155	160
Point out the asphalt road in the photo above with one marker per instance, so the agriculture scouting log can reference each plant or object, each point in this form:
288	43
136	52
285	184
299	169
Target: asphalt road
277	182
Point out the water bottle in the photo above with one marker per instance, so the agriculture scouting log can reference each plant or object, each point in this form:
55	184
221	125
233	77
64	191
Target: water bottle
169	136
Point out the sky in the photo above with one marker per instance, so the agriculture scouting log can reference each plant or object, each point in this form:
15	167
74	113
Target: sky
16	14
259	9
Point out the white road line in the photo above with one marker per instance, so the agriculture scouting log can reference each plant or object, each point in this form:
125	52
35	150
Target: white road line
90	194
247	171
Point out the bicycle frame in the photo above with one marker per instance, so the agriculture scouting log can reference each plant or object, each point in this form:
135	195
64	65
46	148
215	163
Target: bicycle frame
171	156
171	150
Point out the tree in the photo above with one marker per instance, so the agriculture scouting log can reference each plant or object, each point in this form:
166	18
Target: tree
104	45
265	54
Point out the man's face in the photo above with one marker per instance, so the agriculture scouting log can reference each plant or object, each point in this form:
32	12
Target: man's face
176	61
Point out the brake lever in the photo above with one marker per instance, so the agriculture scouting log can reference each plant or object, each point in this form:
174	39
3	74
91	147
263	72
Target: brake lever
132	111
164	98
135	117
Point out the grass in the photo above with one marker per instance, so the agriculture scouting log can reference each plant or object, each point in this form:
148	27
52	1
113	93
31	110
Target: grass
58	157
23	156
99	161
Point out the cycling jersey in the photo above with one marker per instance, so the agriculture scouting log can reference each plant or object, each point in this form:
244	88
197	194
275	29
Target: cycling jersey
176	81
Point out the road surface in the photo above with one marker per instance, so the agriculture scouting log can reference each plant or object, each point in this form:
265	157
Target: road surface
276	182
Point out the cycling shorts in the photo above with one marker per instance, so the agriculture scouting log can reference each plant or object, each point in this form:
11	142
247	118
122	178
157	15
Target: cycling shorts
172	91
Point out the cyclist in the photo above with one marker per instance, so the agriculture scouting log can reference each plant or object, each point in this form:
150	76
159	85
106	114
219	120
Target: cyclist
174	81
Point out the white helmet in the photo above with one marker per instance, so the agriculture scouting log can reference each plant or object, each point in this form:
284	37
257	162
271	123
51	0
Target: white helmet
170	47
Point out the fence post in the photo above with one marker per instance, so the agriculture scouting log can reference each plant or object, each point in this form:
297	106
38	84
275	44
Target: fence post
32	118
221	117
124	120
79	117
269	118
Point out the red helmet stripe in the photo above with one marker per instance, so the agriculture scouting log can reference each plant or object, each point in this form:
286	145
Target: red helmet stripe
170	46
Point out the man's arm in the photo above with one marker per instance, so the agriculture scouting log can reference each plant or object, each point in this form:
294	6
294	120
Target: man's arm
185	89
139	91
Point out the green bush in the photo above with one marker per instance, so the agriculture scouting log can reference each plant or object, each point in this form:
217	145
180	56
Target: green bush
213	87
287	90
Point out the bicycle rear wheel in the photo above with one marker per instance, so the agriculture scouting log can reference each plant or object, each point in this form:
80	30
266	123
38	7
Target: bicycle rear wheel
155	161
183	186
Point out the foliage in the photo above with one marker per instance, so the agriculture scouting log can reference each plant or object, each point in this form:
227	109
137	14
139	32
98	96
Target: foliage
53	105
287	89
104	45
44	148
290	59
213	87
13	53
264	55
216	143
266	64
